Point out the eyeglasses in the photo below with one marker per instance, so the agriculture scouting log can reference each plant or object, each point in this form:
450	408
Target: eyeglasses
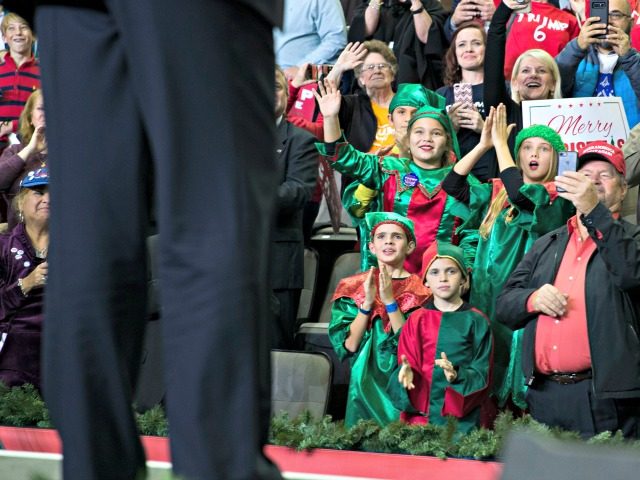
617	15
376	66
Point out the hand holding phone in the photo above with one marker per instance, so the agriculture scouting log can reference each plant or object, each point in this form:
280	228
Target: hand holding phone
463	93
599	8
567	162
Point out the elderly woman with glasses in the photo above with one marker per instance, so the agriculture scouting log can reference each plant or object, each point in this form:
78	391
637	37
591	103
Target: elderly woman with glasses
23	275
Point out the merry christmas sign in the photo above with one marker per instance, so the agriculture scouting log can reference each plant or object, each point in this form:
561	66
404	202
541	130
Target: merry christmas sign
580	120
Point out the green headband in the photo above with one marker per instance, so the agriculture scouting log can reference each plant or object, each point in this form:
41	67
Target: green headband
540	131
417	96
441	116
376	219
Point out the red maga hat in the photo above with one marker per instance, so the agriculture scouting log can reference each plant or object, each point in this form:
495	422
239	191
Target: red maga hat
601	150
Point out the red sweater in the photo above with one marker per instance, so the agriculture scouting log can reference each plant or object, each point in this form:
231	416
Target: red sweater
16	84
546	27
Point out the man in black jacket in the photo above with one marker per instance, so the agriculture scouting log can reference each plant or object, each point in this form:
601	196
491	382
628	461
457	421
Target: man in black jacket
576	294
297	167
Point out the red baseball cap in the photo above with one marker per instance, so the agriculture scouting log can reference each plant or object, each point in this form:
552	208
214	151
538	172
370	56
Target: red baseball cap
602	150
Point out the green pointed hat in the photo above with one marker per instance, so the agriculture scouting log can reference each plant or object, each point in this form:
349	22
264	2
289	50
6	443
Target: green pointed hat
375	219
441	116
417	96
443	250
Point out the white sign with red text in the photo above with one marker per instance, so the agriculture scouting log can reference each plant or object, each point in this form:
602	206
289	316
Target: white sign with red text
580	120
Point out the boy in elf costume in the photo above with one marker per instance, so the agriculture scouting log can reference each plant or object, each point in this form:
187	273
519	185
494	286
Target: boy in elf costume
367	315
445	349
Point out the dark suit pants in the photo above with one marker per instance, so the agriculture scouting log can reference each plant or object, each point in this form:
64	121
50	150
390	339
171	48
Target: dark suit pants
174	98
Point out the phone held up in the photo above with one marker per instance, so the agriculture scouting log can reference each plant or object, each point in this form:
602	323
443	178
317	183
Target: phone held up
317	72
567	162
463	93
599	8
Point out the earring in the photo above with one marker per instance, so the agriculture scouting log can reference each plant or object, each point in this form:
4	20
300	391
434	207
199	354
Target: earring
20	216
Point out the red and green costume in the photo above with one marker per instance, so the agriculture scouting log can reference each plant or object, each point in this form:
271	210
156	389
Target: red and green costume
464	335
375	360
414	192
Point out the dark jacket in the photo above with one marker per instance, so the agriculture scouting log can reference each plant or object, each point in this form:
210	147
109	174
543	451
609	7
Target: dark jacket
297	159
272	10
358	120
417	62
612	293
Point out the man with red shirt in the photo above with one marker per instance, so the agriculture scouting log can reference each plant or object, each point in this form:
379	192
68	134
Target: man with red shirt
575	293
19	72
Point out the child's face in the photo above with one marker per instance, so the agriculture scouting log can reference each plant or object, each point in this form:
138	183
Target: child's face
400	120
445	279
428	142
390	244
535	158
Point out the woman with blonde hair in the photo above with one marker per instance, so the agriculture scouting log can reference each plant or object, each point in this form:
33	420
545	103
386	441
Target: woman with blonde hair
535	74
27	155
510	212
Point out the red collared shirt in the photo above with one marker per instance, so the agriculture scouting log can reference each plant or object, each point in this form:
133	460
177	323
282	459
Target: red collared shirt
562	344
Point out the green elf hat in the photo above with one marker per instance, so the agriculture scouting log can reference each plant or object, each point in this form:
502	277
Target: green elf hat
375	219
443	250
541	131
416	95
441	116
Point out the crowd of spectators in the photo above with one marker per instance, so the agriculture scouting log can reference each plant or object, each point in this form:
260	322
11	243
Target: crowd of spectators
418	104
466	171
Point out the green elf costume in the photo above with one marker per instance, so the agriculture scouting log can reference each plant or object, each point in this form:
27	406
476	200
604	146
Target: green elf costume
410	190
375	359
465	336
357	197
517	226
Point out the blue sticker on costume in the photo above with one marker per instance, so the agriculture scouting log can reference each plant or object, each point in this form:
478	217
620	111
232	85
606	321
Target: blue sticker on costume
410	180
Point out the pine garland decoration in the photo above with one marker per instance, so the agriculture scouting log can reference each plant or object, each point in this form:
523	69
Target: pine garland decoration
23	407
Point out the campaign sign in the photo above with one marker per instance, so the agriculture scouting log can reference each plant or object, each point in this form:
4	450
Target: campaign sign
580	120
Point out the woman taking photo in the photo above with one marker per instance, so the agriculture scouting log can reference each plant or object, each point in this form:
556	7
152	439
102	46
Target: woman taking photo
23	274
464	65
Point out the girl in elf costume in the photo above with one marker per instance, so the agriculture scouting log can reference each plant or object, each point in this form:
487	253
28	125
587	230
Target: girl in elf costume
445	349
368	313
357	198
511	213
408	186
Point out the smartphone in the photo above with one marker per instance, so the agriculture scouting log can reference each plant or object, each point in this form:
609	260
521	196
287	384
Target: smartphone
526	8
567	162
463	93
317	72
599	8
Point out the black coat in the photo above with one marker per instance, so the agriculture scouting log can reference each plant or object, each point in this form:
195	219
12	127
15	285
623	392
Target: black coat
272	10
612	292
417	62
297	159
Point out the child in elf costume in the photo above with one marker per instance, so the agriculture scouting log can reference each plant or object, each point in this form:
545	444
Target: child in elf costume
445	349
410	186
510	213
367	315
359	199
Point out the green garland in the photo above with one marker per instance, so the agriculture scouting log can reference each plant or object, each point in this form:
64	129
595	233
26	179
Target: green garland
23	407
